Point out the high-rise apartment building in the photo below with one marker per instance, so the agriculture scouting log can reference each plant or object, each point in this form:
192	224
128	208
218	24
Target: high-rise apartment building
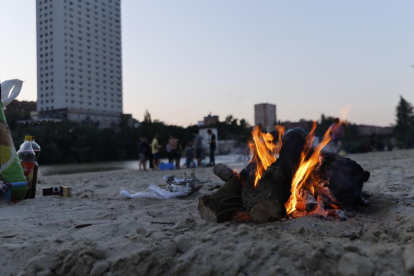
265	115
79	59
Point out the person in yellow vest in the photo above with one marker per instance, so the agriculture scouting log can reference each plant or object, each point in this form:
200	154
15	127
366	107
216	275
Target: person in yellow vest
155	152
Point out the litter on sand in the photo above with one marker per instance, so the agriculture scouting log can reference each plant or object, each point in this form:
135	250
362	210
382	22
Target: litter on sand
175	187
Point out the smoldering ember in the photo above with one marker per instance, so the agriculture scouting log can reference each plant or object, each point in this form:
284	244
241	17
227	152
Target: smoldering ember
287	178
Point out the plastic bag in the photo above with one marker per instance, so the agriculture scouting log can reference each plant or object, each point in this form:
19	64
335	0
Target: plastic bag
175	187
11	169
153	191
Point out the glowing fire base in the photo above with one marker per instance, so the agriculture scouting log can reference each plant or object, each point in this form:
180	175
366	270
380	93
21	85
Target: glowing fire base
292	180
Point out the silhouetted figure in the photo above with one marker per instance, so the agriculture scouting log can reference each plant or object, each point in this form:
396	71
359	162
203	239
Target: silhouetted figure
189	154
169	155
142	147
148	154
175	150
373	142
155	152
198	144
212	142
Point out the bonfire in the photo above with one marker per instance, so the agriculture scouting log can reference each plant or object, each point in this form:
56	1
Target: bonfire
286	177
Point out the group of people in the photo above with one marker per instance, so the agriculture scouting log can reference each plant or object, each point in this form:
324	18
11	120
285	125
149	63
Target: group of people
151	151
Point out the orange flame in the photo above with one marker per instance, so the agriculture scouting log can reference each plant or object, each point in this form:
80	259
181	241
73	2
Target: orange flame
264	151
306	167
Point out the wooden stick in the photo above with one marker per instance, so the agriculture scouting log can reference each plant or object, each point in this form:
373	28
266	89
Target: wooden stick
223	204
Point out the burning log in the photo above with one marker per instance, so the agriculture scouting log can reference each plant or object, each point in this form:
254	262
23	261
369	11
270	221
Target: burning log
300	181
343	178
306	201
224	172
266	201
223	204
336	182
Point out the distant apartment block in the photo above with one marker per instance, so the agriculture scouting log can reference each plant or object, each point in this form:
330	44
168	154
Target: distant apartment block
23	108
265	115
79	59
211	119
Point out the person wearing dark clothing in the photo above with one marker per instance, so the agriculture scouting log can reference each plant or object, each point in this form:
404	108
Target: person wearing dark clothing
148	154
142	147
179	153
175	146
199	149
373	143
212	142
189	154
169	153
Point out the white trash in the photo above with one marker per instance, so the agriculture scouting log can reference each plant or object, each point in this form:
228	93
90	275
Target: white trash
153	191
175	187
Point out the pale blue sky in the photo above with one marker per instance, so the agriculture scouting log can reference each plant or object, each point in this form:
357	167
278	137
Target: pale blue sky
184	59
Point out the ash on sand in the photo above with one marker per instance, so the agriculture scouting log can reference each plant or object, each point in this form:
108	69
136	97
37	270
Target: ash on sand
148	236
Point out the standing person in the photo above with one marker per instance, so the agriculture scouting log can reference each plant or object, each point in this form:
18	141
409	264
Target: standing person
175	150
212	142
169	154
337	133
189	154
148	154
373	142
178	158
198	143
155	152
142	146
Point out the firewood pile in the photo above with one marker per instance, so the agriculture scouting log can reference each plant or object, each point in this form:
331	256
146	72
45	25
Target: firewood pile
299	180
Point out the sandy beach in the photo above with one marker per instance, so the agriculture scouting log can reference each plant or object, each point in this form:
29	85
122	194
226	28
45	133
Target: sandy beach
167	237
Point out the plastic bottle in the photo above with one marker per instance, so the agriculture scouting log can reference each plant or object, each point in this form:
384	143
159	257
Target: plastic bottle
36	149
28	159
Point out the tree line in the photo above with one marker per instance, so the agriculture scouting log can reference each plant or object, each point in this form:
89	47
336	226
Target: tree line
404	127
72	142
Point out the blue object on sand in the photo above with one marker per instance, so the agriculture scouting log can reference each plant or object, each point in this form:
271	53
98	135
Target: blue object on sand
166	166
9	186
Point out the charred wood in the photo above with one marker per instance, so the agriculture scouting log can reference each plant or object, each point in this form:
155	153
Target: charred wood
342	180
224	172
266	201
224	204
